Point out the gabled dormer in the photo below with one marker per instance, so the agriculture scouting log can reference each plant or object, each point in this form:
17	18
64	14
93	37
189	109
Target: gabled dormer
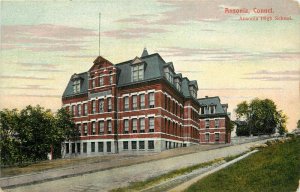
77	82
169	72
101	73
100	63
137	69
193	88
178	81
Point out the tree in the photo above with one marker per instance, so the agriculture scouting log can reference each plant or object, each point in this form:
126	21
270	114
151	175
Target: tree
261	117
298	124
281	120
29	135
66	126
8	137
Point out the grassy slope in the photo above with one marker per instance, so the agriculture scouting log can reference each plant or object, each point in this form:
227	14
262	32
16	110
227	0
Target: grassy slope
275	168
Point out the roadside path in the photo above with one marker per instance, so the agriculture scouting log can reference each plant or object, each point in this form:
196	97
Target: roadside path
121	176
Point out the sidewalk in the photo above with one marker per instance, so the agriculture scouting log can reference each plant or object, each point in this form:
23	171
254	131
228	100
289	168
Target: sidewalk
137	168
114	162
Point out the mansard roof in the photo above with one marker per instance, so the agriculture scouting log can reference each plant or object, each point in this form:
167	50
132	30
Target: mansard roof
153	70
83	85
207	101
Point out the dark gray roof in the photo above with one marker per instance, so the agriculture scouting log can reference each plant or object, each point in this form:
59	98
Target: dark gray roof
185	87
145	53
207	101
83	88
154	69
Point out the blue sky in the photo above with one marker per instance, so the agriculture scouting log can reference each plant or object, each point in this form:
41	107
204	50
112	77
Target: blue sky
44	43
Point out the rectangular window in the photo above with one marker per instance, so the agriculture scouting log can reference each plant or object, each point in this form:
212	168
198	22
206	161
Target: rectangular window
151	100
150	144
133	144
166	102
137	72
84	147
93	128
178	85
151	124
100	147
92	146
111	79
126	126
141	144
126	103
93	106
73	147
108	146
101	105
78	110
168	75
93	83
109	105
101	81
142	125
217	137
202	110
212	109
206	137
109	126
142	101
207	123
134	125
134	102
79	129
85	129
193	91
101	127
216	123
78	147
85	109
76	86
125	145
67	148
73	110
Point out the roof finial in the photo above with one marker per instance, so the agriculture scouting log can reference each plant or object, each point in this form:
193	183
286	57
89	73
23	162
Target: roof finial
145	52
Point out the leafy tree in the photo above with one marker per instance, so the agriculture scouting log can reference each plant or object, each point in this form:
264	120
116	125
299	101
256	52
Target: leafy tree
261	117
29	135
242	130
281	119
298	124
8	136
66	126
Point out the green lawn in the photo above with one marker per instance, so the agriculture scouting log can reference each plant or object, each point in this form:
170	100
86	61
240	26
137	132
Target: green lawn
274	168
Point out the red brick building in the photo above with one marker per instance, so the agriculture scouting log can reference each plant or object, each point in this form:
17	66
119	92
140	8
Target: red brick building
137	105
214	121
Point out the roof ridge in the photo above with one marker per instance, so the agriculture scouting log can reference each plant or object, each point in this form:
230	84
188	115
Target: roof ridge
208	97
124	62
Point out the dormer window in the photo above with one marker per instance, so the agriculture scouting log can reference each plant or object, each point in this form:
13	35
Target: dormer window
177	84
76	86
212	109
168	74
137	72
203	110
193	91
